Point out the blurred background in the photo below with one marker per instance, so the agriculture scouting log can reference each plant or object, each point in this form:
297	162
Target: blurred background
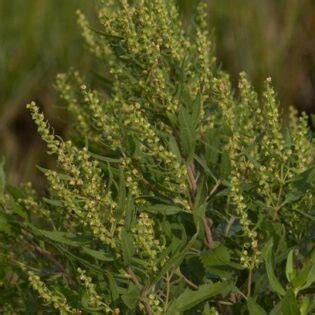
39	38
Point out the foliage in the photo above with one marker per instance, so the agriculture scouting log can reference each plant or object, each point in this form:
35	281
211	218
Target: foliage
175	195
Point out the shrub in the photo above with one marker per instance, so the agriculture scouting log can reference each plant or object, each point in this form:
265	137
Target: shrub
176	194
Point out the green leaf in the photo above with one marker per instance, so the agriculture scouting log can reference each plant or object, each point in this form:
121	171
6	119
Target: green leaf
306	215
216	257
4	224
131	296
97	254
127	246
289	305
310	279
113	286
178	250
164	209
293	196
122	196
173	147
187	134
254	308
225	164
53	202
277	309
196	110
305	277
273	281
130	216
18	209
289	269
205	167
66	238
189	298
207	310
305	304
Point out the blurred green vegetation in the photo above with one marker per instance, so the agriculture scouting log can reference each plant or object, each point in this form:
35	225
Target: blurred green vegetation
268	38
39	38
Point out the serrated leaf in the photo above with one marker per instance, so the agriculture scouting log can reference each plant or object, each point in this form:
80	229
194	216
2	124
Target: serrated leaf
190	298
254	308
131	296
273	281
217	257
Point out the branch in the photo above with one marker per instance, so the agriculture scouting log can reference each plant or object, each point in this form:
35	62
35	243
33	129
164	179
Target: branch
145	301
208	224
179	273
191	178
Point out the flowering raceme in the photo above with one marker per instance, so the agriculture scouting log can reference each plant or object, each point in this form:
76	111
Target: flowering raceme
176	194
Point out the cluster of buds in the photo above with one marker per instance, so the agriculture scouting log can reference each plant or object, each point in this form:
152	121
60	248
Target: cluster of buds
155	304
250	254
139	126
58	301
94	299
106	125
90	36
43	128
148	246
69	95
301	151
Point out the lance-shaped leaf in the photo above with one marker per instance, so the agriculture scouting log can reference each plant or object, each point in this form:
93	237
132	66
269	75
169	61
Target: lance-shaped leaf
273	281
189	298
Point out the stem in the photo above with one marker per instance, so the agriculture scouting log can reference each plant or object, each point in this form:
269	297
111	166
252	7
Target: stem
208	224
191	178
215	188
168	277
229	225
144	299
194	286
249	283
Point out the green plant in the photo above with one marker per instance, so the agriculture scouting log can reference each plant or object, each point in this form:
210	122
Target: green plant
176	194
